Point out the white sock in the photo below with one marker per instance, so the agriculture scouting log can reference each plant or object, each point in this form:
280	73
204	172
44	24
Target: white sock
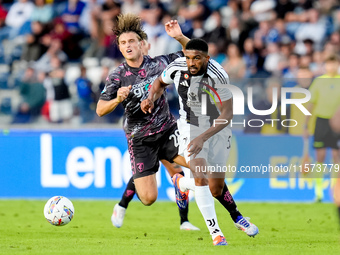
205	203
186	183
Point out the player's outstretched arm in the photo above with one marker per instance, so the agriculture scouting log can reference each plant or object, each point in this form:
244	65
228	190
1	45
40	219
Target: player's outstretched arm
155	92
105	107
174	30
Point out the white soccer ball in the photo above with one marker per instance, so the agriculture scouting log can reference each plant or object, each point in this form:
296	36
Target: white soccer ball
59	211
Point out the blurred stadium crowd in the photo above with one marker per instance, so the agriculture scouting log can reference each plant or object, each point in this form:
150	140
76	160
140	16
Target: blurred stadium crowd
55	54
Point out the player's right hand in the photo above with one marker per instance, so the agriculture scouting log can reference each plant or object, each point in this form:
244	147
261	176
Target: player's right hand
123	93
147	105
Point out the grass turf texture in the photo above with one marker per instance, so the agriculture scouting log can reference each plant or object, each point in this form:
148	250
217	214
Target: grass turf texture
284	229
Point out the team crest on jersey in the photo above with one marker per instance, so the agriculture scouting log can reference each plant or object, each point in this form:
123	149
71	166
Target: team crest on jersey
140	167
142	73
186	76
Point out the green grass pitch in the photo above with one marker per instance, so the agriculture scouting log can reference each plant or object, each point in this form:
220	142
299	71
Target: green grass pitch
285	228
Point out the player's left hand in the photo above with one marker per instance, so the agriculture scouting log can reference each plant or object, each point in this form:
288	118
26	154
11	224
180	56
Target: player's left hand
173	29
195	146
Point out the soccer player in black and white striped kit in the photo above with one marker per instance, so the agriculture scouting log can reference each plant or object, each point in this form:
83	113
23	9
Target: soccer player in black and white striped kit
204	99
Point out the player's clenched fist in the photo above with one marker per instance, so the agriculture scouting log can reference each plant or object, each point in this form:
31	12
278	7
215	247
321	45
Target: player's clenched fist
147	105
123	93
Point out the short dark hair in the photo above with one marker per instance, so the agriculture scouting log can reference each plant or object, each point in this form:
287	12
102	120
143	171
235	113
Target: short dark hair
129	23
332	58
197	44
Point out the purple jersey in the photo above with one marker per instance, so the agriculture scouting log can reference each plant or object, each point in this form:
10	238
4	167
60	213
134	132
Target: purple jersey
136	123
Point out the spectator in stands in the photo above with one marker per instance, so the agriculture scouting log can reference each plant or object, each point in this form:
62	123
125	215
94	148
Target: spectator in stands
102	19
317	65
34	47
19	13
70	17
214	53
42	12
235	65
292	68
55	50
266	126
304	80
85	97
273	58
60	32
32	92
216	32
235	32
3	14
314	29
131	6
3	32
61	109
250	57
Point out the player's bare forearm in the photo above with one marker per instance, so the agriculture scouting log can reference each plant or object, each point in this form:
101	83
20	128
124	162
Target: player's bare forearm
183	40
222	121
157	89
105	107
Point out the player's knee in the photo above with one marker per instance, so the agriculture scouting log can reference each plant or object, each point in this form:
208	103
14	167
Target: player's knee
201	181
216	191
148	199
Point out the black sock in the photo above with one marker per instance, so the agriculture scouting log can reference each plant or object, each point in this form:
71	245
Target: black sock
228	202
128	194
183	213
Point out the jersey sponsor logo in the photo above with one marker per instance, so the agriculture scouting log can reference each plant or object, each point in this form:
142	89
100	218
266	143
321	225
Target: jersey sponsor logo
193	100
147	87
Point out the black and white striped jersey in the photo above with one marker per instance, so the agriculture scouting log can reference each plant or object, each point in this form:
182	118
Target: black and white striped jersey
198	95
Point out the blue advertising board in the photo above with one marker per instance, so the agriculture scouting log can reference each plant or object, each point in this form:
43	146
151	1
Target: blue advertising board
96	164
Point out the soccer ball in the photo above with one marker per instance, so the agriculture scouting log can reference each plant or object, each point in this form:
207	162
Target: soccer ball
59	211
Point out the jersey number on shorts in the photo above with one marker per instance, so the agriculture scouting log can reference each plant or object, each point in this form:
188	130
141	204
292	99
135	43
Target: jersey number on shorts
175	136
229	144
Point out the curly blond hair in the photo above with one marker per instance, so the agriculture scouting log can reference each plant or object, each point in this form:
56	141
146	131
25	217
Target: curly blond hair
129	23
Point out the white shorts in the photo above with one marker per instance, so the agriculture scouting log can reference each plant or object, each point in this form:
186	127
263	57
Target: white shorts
215	150
61	110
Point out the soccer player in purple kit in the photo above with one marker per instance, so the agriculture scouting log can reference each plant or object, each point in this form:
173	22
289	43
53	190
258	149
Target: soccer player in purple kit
150	138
